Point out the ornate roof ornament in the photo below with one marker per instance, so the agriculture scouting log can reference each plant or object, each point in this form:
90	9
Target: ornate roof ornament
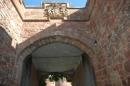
56	10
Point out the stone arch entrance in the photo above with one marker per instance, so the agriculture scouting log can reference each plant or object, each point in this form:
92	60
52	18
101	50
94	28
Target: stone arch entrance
42	42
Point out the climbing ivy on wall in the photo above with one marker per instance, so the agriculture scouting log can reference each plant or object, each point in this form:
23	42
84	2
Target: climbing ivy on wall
54	77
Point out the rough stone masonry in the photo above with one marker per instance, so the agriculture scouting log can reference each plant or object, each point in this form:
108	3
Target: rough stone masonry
24	29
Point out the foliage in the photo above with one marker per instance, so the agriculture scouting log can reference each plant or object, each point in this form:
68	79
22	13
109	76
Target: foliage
54	77
43	82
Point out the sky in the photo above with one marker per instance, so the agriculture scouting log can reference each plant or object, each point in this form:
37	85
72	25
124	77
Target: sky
74	3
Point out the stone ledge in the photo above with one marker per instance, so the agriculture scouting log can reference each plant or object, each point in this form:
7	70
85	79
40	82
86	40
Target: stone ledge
74	13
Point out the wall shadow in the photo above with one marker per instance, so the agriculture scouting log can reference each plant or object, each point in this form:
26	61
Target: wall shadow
7	58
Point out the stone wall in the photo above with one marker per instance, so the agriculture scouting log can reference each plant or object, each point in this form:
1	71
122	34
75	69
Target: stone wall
79	79
7	57
34	31
10	19
110	26
10	24
34	77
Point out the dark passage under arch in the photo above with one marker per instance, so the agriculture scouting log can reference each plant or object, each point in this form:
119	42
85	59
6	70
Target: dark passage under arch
26	71
58	52
88	71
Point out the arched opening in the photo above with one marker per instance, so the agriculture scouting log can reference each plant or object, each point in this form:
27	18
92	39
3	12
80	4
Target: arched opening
55	57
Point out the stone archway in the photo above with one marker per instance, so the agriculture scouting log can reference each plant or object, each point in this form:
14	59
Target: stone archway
44	41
